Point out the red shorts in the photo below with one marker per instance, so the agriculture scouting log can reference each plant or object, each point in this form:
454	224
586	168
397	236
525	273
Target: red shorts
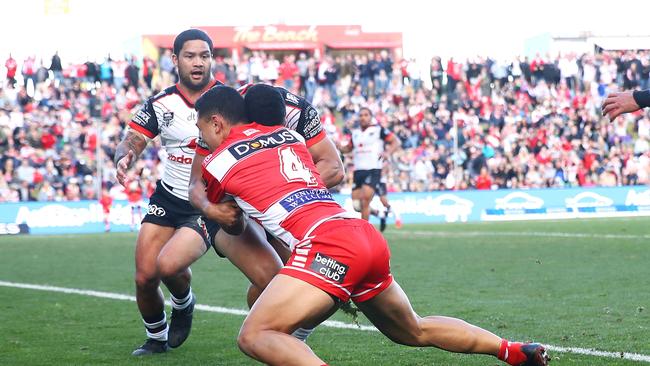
347	258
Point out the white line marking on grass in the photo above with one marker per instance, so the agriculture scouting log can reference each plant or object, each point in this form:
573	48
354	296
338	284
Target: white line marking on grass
403	232
593	352
328	323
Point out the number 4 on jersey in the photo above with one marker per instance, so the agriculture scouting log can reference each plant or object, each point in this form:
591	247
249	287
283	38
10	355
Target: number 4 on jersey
293	168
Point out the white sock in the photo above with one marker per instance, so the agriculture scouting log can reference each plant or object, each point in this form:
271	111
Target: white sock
302	333
160	335
180	304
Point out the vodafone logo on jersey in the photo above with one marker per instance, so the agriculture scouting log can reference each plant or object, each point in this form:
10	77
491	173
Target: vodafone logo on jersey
180	159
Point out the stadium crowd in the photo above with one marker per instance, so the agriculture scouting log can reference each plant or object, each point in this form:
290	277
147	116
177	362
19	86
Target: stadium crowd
477	124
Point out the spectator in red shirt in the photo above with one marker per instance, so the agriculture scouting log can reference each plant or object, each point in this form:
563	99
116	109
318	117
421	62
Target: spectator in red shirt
288	72
106	201
29	71
134	196
483	181
11	66
148	68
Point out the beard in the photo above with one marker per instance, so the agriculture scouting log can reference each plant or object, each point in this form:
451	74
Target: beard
185	78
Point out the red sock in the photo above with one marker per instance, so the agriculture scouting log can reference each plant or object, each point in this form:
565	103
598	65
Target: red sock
511	353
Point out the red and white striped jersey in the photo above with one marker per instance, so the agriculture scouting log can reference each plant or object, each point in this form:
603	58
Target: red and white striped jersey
270	174
300	116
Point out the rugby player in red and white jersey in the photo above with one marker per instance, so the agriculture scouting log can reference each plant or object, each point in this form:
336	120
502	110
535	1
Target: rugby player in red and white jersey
249	252
335	258
370	143
173	234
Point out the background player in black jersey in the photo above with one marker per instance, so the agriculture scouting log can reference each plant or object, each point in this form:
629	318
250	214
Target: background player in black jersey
173	234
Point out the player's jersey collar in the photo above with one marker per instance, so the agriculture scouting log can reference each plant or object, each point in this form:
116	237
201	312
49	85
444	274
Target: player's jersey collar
185	98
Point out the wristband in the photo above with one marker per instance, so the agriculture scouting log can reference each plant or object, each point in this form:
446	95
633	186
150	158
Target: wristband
642	98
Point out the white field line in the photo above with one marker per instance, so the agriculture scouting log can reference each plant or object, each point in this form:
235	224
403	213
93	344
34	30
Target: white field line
423	233
328	323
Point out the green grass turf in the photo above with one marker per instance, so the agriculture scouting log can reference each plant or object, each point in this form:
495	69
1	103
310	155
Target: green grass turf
564	290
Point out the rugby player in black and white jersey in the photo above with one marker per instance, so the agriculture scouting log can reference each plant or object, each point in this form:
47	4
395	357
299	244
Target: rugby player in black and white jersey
369	144
173	234
250	253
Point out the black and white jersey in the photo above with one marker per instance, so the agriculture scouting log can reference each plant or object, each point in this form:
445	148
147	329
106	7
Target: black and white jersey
170	115
368	146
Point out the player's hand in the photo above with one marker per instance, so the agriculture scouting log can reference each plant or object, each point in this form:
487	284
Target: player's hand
618	103
228	214
123	167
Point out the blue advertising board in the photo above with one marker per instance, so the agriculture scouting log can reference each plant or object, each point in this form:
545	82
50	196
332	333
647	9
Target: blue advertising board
425	207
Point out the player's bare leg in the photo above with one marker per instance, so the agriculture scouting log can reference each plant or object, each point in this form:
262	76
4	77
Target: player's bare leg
281	248
149	297
252	254
392	314
384	201
361	198
183	249
284	305
367	193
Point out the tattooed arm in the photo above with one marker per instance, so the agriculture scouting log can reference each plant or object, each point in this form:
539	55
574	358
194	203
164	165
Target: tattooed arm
127	152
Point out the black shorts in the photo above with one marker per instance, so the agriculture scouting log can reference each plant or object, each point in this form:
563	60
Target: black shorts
165	209
369	177
381	190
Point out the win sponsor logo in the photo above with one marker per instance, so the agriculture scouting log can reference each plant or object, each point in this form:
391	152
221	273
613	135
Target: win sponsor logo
142	117
305	196
277	138
292	98
329	267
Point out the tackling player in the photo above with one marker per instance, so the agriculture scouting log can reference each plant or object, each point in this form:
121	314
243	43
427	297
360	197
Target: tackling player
334	258
250	253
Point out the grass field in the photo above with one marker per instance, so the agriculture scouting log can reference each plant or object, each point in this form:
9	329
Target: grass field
564	283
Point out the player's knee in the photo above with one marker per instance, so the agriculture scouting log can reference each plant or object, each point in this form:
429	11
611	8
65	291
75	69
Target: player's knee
356	204
264	274
247	339
412	334
409	339
146	281
167	268
170	268
252	294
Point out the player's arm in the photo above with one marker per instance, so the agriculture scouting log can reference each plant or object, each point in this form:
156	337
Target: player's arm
392	143
323	152
328	162
225	213
198	194
347	147
127	153
142	128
